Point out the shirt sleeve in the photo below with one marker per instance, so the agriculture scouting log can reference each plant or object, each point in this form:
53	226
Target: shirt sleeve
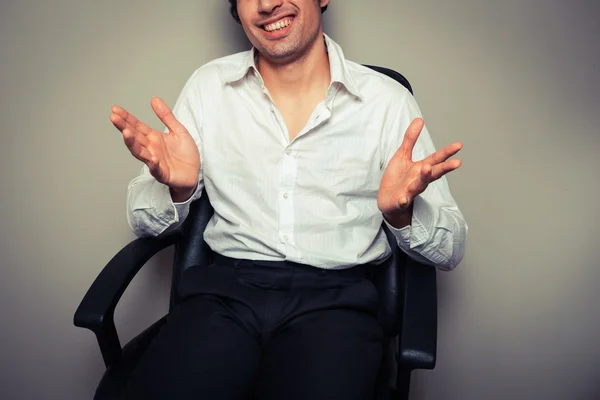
438	230
150	208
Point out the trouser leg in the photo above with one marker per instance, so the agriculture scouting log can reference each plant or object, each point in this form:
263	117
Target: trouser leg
203	352
333	354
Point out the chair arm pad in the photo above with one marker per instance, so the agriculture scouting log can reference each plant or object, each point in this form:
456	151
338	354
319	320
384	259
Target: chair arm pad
96	310
418	336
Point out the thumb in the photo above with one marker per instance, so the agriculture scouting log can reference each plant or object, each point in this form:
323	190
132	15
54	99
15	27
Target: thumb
164	113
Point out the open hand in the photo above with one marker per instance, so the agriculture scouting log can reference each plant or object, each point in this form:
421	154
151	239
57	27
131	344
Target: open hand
404	179
173	158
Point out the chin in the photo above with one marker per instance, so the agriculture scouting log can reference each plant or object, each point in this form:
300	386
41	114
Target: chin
278	51
280	54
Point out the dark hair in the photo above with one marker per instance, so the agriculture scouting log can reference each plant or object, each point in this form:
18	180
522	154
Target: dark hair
234	13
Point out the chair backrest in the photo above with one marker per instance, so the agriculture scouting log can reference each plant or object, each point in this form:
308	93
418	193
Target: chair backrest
193	250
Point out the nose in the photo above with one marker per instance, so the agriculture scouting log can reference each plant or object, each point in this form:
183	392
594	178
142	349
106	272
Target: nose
268	6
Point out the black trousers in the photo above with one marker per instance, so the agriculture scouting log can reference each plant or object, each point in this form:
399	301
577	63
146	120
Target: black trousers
268	331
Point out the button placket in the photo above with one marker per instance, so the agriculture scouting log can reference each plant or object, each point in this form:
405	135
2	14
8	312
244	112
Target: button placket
320	115
286	201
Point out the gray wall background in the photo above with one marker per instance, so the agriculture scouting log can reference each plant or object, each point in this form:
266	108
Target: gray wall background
517	81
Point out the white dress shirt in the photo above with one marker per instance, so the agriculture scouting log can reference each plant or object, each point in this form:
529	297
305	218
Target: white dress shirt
313	199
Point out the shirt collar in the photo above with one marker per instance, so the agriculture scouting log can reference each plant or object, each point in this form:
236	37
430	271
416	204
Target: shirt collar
248	64
339	67
337	63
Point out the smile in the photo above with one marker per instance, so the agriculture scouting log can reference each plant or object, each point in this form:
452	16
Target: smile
281	24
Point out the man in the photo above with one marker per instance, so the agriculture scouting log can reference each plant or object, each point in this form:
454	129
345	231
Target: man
303	155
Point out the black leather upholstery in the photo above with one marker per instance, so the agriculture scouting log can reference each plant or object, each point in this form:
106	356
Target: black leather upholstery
406	288
194	250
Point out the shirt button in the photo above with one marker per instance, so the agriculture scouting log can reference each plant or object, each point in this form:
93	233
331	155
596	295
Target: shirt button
286	238
285	195
288	152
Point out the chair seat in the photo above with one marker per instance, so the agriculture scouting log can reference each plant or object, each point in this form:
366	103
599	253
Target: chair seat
115	378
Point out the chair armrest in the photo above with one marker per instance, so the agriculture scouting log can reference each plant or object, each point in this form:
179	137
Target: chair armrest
417	342
96	310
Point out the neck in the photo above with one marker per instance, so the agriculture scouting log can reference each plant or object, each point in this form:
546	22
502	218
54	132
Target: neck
309	72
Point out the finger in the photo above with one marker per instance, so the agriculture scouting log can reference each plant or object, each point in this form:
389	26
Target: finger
403	202
123	119
444	154
141	153
119	122
131	136
137	145
426	173
418	185
164	113
442	169
410	137
154	166
125	115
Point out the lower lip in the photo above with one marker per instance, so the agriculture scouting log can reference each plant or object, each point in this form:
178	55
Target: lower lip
278	34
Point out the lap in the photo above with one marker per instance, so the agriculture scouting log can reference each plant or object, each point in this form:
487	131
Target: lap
202	351
306	334
327	354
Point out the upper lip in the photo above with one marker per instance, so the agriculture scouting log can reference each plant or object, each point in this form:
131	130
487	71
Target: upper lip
275	19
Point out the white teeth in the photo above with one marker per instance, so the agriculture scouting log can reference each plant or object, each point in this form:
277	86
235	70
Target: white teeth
277	25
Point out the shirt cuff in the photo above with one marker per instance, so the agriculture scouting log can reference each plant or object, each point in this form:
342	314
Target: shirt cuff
182	209
162	203
417	232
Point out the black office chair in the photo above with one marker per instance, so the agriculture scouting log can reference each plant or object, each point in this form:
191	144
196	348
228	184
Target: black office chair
407	291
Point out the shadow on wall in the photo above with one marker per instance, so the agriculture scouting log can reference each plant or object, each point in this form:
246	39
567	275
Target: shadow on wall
328	21
233	35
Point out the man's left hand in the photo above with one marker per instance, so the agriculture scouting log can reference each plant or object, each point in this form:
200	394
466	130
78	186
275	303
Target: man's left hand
404	179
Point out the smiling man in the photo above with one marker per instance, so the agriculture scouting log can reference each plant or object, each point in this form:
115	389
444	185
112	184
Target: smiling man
304	155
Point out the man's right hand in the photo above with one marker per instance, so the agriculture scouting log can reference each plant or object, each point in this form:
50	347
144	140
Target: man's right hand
173	158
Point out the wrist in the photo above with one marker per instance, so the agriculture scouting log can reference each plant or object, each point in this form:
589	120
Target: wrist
399	218
181	195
